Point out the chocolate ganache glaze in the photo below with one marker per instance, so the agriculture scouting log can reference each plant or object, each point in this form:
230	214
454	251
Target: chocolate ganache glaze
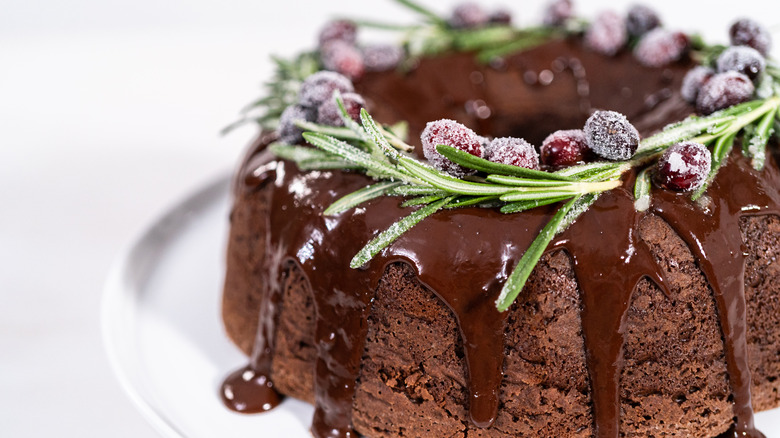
465	255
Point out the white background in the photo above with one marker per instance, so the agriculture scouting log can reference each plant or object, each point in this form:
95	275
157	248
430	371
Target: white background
109	113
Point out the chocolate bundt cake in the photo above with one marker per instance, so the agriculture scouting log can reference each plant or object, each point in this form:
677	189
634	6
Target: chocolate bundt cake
637	320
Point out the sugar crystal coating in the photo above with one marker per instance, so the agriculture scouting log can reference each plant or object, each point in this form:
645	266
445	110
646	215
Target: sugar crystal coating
610	135
557	12
641	19
342	57
747	32
288	132
742	59
607	34
382	57
320	86
514	152
450	133
684	166
564	148
693	81
468	16
341	30
329	114
660	47
724	90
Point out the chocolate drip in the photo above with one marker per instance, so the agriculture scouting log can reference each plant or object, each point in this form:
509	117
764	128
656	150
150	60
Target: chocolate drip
464	256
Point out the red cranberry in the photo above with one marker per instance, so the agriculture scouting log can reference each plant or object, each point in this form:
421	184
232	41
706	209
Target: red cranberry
450	133
724	90
607	34
660	47
514	152
684	166
693	81
468	16
743	59
610	135
320	86
343	57
558	12
641	19
564	148
329	114
746	32
382	57
338	30
501	16
289	132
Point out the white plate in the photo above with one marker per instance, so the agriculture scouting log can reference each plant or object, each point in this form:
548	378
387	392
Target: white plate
164	336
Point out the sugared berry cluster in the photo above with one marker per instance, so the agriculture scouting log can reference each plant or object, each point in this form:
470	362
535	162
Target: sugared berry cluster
731	78
471	15
317	104
610	32
607	135
339	51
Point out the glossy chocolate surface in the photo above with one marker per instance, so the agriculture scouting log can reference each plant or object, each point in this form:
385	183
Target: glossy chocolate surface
465	255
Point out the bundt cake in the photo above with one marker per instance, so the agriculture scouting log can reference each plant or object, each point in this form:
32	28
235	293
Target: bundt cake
651	310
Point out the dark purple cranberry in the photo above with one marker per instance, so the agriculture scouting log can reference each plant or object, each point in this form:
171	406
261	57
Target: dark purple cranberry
501	16
693	81
660	47
724	90
514	152
742	59
329	114
450	133
684	166
468	16
564	148
320	86
288	132
607	34
641	19
343	57
557	13
746	32
338	30
610	135
382	57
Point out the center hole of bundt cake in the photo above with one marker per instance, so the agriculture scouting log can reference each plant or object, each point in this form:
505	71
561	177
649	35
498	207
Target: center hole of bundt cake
528	95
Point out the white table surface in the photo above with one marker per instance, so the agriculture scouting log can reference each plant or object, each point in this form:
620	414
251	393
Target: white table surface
109	113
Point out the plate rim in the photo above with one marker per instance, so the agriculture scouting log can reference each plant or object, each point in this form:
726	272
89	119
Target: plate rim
118	295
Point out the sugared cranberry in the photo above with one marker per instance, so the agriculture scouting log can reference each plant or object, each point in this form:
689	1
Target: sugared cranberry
468	16
558	12
564	148
742	59
320	86
501	16
746	32
329	114
724	90
450	133
382	57
610	135
684	166
514	152
341	30
660	47
288	132
641	19
607	34
342	57
693	81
